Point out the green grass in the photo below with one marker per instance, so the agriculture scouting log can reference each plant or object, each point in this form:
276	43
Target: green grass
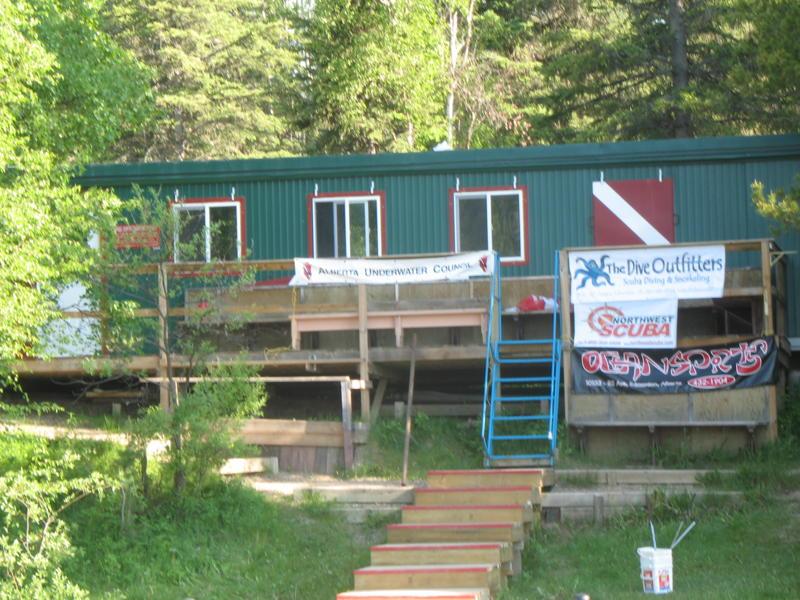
229	543
436	443
749	551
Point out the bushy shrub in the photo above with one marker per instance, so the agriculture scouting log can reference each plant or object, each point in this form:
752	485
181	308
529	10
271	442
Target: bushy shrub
202	430
34	540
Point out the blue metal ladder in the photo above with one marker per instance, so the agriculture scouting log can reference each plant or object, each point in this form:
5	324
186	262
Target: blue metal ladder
521	389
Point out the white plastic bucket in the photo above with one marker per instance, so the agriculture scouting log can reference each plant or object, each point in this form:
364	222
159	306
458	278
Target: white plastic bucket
656	569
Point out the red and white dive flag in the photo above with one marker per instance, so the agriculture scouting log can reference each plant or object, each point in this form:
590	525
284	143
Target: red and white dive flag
632	212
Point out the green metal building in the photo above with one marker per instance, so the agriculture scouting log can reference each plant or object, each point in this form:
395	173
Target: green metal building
438	202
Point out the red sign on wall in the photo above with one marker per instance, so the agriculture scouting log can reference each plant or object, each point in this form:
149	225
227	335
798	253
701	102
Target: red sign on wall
632	212
138	236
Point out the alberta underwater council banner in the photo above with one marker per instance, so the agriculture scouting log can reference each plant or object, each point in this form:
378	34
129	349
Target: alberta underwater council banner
382	271
738	365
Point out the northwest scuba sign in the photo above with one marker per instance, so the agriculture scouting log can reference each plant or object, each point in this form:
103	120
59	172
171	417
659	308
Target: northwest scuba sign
650	324
647	273
740	365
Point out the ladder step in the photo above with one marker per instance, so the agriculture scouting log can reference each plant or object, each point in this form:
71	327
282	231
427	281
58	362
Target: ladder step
537	379
535	342
532	361
520	456
519	399
522	361
538	398
524	418
537	436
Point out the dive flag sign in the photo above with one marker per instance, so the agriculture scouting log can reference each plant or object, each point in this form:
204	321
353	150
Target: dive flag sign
649	324
647	273
633	212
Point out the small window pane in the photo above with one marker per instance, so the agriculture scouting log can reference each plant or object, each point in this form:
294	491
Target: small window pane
325	247
505	225
373	228
341	231
358	229
191	235
472	228
223	233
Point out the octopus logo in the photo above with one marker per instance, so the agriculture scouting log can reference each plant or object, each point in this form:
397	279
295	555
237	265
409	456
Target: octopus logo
601	319
594	272
307	270
483	261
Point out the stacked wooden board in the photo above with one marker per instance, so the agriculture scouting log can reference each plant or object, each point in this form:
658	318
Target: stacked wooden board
460	540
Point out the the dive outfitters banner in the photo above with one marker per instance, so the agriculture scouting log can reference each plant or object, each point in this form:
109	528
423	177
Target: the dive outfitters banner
375	271
738	365
647	273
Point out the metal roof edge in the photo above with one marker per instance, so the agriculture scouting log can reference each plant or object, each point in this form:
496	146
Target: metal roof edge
600	155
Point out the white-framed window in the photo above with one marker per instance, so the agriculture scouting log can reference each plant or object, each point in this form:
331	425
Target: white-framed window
493	219
208	230
347	226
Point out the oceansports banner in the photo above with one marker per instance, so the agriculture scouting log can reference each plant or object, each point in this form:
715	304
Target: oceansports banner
739	365
376	271
650	324
647	273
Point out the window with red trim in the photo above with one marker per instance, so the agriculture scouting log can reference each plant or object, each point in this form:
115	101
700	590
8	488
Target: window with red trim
347	225
491	219
208	229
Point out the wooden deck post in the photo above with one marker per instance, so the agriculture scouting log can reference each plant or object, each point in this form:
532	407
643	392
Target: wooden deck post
363	351
347	424
409	408
163	338
566	326
766	284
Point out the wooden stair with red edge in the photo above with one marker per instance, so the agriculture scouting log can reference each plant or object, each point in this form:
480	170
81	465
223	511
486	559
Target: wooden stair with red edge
516	494
486	478
454	532
466	530
428	576
441	553
465	513
443	594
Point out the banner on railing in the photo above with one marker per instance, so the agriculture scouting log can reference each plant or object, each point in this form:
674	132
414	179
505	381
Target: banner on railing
647	273
374	271
739	365
649	324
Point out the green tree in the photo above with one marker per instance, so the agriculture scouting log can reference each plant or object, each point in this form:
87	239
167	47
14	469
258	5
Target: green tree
376	79
34	539
222	77
50	117
198	419
767	76
638	69
771	84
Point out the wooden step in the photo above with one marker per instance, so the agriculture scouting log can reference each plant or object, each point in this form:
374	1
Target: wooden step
407	533
442	553
514	494
456	513
486	478
450	594
429	577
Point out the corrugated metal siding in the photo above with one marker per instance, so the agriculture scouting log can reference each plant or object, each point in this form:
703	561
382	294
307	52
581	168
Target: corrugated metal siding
712	179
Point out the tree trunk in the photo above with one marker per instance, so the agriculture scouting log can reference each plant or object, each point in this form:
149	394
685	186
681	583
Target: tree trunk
451	96
145	477
680	67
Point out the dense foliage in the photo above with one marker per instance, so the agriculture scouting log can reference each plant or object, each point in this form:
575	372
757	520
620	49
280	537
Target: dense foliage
68	92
